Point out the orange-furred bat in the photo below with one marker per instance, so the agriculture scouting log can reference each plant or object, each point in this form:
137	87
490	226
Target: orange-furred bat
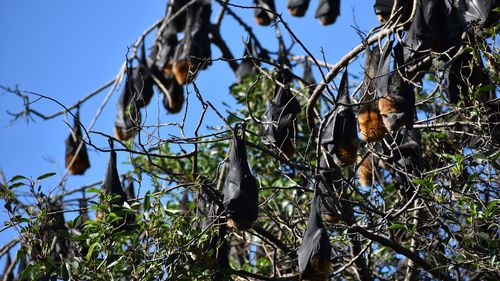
81	159
340	135
315	251
370	121
365	171
163	50
193	51
397	104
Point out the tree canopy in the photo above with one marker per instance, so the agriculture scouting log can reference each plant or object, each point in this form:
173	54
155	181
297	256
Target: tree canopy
318	172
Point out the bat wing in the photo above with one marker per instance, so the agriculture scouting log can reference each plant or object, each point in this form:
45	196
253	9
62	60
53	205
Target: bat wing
383	6
308	75
315	241
383	70
240	187
111	183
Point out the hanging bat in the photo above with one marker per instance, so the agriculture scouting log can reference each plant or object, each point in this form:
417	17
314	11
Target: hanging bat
241	199
50	225
375	81
193	51
328	205
340	135
397	105
383	9
75	139
163	50
112	185
173	93
214	253
481	11
308	76
297	8
247	66
408	159
315	251
365	171
285	74
128	115
141	81
327	11
279	128
263	17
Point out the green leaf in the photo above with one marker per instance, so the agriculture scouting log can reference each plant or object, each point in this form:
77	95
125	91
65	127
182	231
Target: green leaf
44	176
91	251
17	178
398	226
16	185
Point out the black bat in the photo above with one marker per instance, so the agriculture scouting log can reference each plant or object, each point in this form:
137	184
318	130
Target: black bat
285	74
327	11
477	11
383	9
263	17
308	76
370	122
340	134
436	26
140	81
408	159
50	226
215	251
194	49
247	66
128	115
111	185
173	93
297	8
75	139
279	128
328	205
315	251
163	51
241	198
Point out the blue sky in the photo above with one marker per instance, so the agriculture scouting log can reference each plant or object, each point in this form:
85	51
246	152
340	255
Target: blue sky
66	49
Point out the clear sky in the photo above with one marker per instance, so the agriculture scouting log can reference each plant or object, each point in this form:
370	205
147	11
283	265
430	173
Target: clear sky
66	49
